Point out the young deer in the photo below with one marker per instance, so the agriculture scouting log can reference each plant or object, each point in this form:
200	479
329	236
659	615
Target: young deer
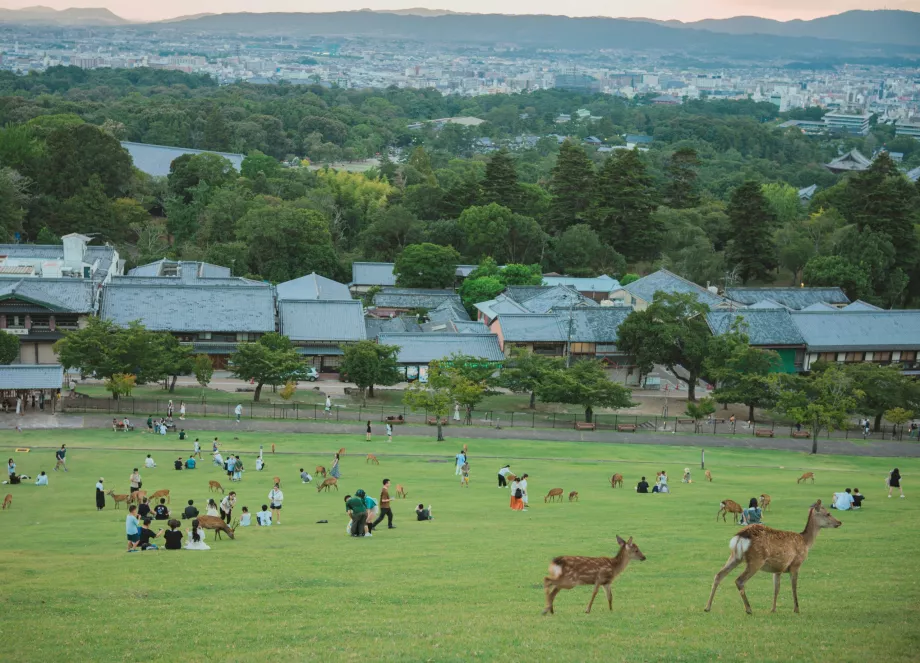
8	502
568	572
371	458
729	506
218	525
573	496
215	486
764	501
773	550
616	481
137	496
553	494
400	491
331	482
161	493
709	476
806	477
320	471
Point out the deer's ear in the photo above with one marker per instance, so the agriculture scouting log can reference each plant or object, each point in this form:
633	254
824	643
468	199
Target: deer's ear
818	503
629	542
620	540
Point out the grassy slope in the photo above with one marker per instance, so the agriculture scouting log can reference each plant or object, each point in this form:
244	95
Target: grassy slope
465	586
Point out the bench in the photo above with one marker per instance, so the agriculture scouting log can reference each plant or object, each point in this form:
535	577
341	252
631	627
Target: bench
763	432
582	425
395	420
801	434
686	421
627	428
433	421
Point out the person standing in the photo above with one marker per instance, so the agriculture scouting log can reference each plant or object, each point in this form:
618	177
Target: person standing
197	449
517	501
389	432
334	471
894	481
457	412
368	435
461	459
238	411
100	495
132	527
523	487
182	410
61	458
169	409
465	475
385	511
231	464
357	510
502	473
371	505
19	406
226	506
275	497
135	480
328	409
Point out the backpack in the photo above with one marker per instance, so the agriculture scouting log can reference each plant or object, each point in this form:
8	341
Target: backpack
519	493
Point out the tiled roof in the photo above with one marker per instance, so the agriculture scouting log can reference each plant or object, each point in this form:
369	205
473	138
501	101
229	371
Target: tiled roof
840	331
155	160
312	286
860	305
499	305
64	294
105	255
523	327
322	320
423	348
449	310
31	376
602	283
177	306
767	303
188	279
399	324
763	326
665	281
521	293
559	296
579	325
820	306
794	298
187	269
373	273
406	298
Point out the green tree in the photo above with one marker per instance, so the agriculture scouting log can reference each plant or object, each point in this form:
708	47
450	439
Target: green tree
176	359
421	163
496	231
744	377
272	360
77	153
877	257
426	266
821	399
368	364
9	348
434	396
14	197
837	271
899	416
189	170
203	369
392	231
586	384
580	252
474	291
622	206
500	185
882	388
517	274
672	331
700	410
571	186
525	372
752	222
89	210
783	201
257	162
682	188
120	384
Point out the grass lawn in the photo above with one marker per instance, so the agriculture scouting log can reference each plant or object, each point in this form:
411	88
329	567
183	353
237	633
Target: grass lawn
466	586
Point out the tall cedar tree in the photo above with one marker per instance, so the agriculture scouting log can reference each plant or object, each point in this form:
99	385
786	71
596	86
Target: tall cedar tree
622	206
570	186
682	190
752	221
500	184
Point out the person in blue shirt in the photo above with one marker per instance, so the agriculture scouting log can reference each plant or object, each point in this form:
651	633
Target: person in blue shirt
190	463
132	528
751	515
461	459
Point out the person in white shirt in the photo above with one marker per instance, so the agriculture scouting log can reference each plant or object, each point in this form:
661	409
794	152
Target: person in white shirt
238	410
522	484
328	408
502	473
843	501
246	518
264	517
148	463
218	460
259	464
41	479
275	497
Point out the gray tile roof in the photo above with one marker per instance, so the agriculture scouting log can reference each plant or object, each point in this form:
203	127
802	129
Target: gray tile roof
407	298
373	273
64	294
602	283
841	331
860	305
794	298
322	320
764	326
156	159
559	296
312	286
449	310
524	327
31	376
580	325
188	269
183	307
186	279
423	348
501	304
820	306
397	325
521	293
665	281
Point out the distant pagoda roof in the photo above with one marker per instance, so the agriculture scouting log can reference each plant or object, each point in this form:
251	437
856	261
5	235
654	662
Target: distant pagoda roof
851	162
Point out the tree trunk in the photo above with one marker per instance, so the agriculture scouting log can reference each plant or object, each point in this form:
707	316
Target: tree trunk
589	414
172	384
878	422
370	391
533	400
814	439
751	413
691	388
258	393
440	431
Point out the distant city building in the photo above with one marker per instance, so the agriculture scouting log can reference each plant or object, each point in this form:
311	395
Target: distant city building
854	123
909	129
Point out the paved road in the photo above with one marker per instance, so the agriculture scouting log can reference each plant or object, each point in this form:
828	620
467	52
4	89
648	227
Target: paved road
835	446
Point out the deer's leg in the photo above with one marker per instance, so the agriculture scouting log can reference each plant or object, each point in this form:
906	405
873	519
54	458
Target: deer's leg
795	586
748	572
776	579
550	595
597	586
729	565
609	596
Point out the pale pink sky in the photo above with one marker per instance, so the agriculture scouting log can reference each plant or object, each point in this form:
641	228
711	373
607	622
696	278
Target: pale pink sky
659	9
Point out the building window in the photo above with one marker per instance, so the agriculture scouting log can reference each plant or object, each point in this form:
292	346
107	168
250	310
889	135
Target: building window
881	357
828	357
908	355
548	349
855	357
582	348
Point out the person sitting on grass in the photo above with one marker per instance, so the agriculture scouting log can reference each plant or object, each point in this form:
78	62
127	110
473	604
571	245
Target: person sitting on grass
246	518
212	509
857	498
196	537
161	511
264	517
751	515
421	513
182	434
173	536
843	501
642	486
146	536
42	479
143	511
191	511
148	462
190	464
178	463
305	476
686	478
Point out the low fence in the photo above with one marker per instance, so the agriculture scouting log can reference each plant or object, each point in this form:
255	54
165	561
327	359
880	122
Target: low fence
139	409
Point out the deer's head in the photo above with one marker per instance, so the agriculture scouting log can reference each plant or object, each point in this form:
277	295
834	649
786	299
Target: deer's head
823	517
632	550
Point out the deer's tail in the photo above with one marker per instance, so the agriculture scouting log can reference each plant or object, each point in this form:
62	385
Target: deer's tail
555	568
739	546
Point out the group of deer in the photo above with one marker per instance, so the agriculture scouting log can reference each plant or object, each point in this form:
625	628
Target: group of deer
136	496
555	494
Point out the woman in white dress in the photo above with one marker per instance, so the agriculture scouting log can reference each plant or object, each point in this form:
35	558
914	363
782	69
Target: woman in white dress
182	410
195	539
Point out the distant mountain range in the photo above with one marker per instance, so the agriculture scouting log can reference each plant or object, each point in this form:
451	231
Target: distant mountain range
48	16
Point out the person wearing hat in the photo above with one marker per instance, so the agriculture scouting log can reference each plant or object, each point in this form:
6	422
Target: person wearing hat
100	495
686	478
358	512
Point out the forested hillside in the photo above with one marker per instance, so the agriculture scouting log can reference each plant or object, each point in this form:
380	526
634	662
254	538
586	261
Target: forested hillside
713	198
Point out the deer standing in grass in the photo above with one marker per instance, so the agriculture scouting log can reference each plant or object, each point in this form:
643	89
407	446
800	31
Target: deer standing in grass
709	476
371	458
773	550
806	477
553	494
616	481
729	506
573	496
764	501
569	571
331	482
320	471
119	498
215	486
217	524
161	493
8	502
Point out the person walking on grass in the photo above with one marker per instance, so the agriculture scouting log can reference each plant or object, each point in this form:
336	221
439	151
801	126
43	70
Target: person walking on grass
502	473
465	475
60	457
182	410
100	495
334	471
275	497
328	409
389	432
894	481
197	451
385	510
460	458
367	435
238	411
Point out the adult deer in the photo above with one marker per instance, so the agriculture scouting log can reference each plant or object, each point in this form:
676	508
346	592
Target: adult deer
569	571
553	494
400	491
729	506
773	550
806	477
218	525
8	502
616	481
342	451
320	471
119	498
371	458
161	493
137	496
764	501
331	482
709	476
215	486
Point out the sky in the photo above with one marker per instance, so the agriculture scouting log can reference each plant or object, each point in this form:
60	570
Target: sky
682	10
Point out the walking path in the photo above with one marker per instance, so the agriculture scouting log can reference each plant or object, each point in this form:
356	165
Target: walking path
834	446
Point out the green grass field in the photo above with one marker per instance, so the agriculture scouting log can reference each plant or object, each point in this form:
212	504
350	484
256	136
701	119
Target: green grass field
466	586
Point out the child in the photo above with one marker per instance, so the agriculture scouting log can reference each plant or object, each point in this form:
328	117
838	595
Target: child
686	478
390	431
212	508
148	463
132	528
260	464
246	518
465	475
146	536
178	463
196	538
173	536
857	498
264	517
305	476
421	513
238	470
144	509
41	480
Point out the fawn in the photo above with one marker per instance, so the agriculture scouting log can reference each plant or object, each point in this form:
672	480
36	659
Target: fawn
709	476
215	486
806	477
573	496
764	501
616	481
8	502
773	550
569	571
331	482
729	506
400	490
320	471
371	458
553	494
